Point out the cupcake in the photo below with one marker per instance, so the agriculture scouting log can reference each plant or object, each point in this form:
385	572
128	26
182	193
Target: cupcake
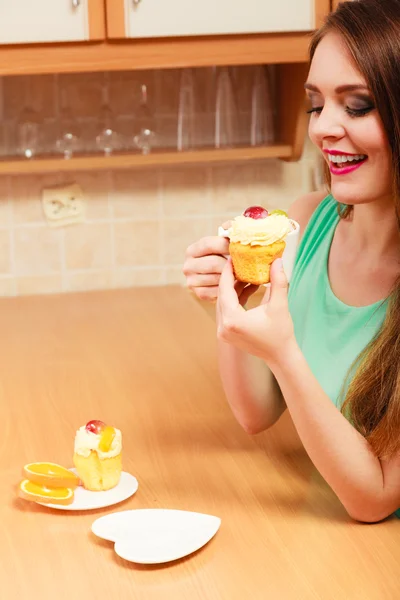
97	455
257	238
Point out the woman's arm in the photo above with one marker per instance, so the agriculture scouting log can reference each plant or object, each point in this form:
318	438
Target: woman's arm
250	388
367	487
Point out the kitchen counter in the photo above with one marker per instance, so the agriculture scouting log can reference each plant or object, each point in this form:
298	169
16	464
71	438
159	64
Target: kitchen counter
144	360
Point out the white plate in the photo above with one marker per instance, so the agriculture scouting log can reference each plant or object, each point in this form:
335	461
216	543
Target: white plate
153	536
87	500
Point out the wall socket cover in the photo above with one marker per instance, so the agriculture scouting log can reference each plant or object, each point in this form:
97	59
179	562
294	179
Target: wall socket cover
63	205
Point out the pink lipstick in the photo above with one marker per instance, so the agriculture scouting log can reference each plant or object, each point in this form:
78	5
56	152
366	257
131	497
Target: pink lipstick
351	166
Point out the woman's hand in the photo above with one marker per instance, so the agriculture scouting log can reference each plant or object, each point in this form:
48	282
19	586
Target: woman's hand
265	331
205	261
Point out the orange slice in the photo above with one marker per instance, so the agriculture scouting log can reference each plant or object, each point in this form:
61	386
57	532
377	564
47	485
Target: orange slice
107	436
40	493
50	475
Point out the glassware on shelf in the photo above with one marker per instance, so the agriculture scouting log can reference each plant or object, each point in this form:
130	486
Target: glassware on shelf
186	131
146	137
225	111
107	138
262	109
28	125
68	131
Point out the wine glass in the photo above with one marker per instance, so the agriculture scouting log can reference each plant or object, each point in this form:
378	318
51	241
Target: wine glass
186	134
107	138
28	125
146	137
68	138
262	116
225	111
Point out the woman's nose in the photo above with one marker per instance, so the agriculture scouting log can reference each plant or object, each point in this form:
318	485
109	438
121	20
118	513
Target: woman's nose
328	124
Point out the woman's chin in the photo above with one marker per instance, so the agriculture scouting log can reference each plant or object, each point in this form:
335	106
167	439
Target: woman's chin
347	193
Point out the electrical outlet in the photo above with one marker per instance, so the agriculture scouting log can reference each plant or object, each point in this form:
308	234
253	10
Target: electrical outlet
63	205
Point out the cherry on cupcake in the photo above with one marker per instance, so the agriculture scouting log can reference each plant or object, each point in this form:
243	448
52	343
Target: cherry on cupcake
256	212
95	426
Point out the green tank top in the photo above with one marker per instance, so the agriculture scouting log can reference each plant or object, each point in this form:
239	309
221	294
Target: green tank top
331	334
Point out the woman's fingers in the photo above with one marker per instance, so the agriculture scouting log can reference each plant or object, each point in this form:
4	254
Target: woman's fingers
207	246
204	265
279	285
227	293
209	293
199	280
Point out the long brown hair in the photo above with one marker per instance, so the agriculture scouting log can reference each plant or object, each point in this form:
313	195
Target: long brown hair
370	30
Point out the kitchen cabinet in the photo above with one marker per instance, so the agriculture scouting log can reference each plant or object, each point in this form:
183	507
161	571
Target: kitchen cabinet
147	34
118	35
38	21
157	18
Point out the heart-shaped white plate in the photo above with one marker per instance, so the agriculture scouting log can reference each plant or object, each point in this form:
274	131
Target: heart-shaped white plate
153	536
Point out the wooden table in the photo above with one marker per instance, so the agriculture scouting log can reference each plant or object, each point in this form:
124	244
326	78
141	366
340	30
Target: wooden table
145	361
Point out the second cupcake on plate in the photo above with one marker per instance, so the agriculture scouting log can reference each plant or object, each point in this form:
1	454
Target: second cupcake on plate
98	455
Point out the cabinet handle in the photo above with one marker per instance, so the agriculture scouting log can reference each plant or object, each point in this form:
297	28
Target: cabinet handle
76	3
136	2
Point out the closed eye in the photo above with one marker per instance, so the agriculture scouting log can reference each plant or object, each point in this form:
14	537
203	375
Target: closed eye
352	112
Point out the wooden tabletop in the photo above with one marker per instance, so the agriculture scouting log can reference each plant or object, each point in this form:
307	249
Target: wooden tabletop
144	360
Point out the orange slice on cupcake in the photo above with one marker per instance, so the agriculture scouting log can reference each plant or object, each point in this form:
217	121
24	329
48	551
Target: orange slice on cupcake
50	475
46	495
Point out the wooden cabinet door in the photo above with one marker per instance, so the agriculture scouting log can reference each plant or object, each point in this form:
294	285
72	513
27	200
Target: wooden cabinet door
38	21
169	18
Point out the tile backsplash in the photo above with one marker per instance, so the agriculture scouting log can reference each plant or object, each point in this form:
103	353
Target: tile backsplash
138	222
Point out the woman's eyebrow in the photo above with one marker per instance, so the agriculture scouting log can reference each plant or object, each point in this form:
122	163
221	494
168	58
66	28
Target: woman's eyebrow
350	87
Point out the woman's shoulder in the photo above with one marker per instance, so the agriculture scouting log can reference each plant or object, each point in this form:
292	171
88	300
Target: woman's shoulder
306	207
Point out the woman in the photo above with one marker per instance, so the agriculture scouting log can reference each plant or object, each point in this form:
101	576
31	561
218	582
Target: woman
329	351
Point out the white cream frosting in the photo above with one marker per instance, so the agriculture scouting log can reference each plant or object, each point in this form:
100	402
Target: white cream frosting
86	441
259	232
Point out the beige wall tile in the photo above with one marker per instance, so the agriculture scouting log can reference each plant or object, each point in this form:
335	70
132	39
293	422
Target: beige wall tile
179	234
43	284
310	150
89	280
124	278
5	251
88	246
137	243
234	188
37	90
135	195
26	192
7	286
267	183
96	188
5	203
185	192
37	250
175	276
218	221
